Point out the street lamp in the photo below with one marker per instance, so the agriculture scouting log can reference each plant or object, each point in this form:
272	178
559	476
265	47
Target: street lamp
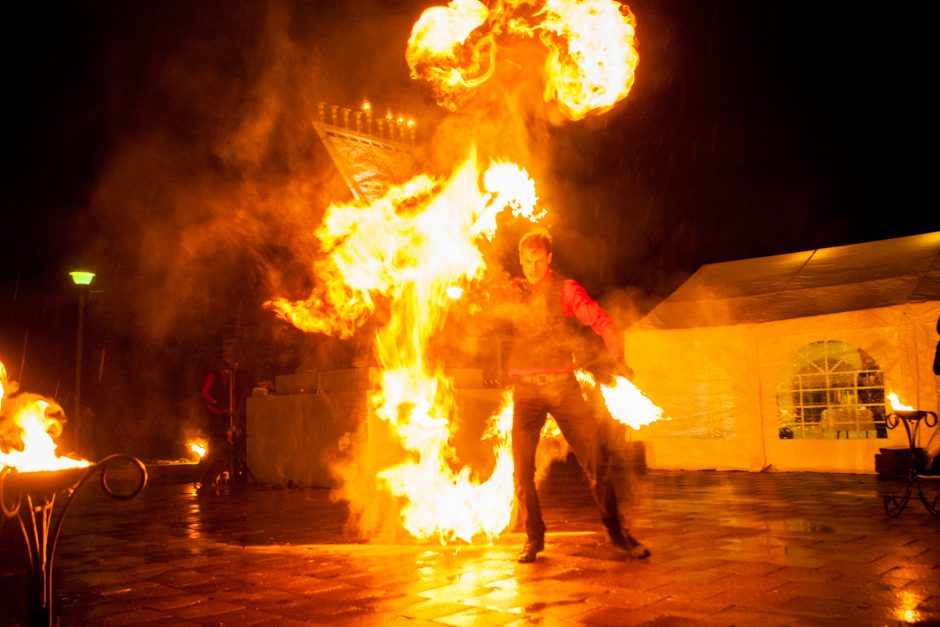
83	279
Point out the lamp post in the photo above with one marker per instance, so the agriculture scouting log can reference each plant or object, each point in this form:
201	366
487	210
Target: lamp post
83	279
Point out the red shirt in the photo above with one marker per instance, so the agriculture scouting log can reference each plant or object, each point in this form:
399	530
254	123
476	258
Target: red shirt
215	391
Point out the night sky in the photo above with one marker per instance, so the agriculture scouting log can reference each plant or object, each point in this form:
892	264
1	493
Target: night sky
167	145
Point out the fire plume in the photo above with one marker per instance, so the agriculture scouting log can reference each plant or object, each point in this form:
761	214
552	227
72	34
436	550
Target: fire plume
406	252
592	55
443	502
402	261
28	426
438	51
590	45
626	402
199	447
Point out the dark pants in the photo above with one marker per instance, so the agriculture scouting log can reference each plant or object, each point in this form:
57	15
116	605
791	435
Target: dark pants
218	458
578	423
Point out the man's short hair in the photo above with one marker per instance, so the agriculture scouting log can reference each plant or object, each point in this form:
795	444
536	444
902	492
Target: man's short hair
537	238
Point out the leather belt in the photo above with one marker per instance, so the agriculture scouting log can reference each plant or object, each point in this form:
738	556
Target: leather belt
543	379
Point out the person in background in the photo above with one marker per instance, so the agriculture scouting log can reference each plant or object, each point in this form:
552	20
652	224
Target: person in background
216	394
263	387
871	394
935	464
936	355
549	309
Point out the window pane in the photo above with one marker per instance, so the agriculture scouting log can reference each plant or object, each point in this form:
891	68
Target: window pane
832	390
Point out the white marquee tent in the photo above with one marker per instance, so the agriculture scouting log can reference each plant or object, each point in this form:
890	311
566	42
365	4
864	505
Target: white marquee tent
788	362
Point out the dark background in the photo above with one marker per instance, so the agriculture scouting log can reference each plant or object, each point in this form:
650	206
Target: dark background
168	147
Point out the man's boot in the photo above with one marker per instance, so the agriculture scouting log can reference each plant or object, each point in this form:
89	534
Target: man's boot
532	548
628	544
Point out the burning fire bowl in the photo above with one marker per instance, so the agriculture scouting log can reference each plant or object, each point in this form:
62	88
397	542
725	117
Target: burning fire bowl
43	485
913	414
15	485
908	418
40	521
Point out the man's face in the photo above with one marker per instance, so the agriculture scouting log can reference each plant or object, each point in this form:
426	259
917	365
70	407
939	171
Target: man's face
535	264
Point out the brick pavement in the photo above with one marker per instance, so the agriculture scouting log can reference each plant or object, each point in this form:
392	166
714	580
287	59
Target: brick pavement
729	548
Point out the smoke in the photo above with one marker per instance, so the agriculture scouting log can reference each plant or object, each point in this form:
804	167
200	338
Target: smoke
217	180
212	184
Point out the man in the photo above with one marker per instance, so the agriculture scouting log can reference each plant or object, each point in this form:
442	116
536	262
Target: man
541	367
216	393
936	355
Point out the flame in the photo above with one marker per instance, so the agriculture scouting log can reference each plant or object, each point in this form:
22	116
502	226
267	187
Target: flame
897	404
437	51
508	185
445	503
626	402
407	252
27	427
591	54
198	447
418	236
403	260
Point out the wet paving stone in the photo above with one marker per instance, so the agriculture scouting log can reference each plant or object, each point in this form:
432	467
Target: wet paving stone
729	548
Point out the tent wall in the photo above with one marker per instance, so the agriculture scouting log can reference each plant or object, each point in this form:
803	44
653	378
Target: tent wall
893	336
706	381
719	387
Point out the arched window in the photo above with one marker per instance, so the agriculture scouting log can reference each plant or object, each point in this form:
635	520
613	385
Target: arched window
831	390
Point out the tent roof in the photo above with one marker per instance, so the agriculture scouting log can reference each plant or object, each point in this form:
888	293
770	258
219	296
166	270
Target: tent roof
821	281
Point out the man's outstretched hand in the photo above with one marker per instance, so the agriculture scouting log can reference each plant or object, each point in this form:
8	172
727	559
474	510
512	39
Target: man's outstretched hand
606	368
625	371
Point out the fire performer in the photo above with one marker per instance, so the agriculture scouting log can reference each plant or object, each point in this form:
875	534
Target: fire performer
541	367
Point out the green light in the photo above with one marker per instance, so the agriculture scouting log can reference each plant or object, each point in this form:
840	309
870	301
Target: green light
82	277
